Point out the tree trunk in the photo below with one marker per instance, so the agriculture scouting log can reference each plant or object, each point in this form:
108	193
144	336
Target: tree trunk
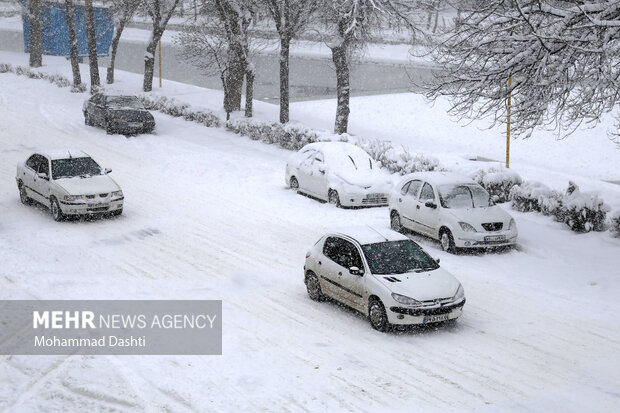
73	47
36	34
92	45
249	91
234	82
284	72
149	64
343	90
113	49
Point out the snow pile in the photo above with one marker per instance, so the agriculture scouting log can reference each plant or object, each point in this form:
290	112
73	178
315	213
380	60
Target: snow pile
398	159
498	181
173	107
582	212
54	78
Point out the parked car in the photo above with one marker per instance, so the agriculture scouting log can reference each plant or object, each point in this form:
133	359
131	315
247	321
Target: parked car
384	275
118	114
338	172
452	209
69	183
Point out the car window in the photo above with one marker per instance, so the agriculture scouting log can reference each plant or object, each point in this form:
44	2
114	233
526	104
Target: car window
72	167
405	187
124	102
427	193
414	188
32	162
397	257
342	252
43	165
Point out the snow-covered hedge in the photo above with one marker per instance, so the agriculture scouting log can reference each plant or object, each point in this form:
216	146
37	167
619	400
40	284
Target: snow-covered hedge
53	78
294	137
178	109
581	212
498	182
615	224
398	159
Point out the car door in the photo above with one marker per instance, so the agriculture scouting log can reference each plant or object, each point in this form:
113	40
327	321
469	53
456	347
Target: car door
28	173
303	170
407	202
329	267
317	180
41	185
98	109
426	215
352	285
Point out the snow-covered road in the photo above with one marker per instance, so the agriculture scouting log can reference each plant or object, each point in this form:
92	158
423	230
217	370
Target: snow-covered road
207	216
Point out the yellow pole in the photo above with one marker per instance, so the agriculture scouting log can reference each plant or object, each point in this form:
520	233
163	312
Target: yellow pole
508	124
160	62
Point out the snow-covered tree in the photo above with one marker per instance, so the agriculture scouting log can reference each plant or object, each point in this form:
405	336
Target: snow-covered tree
350	25
123	11
160	12
290	17
73	46
559	60
36	33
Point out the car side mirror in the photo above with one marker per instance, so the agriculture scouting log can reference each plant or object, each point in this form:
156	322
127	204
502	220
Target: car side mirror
356	271
430	204
107	171
437	260
43	175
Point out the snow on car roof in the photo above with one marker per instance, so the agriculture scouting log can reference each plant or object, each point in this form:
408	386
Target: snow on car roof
438	178
335	148
63	153
369	235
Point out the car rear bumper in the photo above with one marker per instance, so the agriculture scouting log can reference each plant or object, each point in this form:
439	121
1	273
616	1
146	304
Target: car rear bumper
409	316
83	208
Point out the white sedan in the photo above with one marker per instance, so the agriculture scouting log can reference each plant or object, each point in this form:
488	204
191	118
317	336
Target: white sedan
452	209
384	275
338	172
69	183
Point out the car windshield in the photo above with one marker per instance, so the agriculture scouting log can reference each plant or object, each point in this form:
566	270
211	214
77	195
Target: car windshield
397	257
463	196
124	102
72	167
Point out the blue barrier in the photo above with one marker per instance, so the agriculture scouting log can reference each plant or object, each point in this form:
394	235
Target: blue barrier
56	33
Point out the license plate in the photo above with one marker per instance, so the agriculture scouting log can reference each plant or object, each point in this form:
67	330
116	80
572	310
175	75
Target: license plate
135	124
494	238
436	318
94	205
374	196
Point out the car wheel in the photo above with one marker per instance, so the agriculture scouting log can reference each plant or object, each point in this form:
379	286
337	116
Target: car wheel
377	315
447	241
56	211
117	212
293	184
314	287
395	222
333	198
23	196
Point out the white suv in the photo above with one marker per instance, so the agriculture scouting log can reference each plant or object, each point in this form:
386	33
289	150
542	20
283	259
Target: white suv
452	209
384	275
69	183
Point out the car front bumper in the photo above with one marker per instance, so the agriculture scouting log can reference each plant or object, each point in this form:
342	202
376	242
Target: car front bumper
87	208
485	239
407	316
131	128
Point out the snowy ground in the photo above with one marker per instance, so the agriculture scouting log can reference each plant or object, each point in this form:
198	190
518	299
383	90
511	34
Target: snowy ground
207	216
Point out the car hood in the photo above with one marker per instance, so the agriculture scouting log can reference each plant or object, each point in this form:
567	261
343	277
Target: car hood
98	184
477	216
365	179
422	286
130	115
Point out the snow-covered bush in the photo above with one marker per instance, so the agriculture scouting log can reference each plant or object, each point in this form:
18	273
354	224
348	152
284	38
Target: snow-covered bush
398	159
582	212
287	136
498	182
173	107
615	224
6	68
534	196
54	78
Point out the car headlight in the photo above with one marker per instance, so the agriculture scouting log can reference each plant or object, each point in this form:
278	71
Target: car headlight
117	193
466	227
403	299
513	224
460	293
73	197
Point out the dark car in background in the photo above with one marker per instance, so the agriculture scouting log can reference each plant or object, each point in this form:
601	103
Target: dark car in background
118	114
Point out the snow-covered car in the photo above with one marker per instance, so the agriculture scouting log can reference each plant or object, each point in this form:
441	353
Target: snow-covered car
69	183
118	114
384	275
338	172
452	209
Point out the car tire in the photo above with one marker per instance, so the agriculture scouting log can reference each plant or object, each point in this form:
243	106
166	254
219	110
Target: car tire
377	315
447	241
117	212
55	210
314	287
395	222
23	196
333	198
293	183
